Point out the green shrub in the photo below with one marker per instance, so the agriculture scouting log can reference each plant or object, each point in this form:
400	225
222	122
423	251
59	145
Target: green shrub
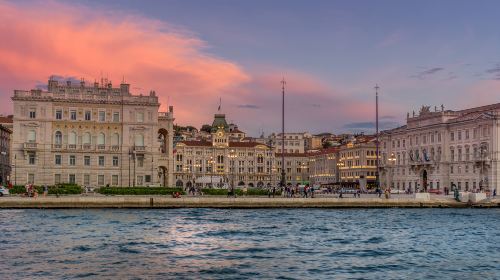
138	190
57	189
239	192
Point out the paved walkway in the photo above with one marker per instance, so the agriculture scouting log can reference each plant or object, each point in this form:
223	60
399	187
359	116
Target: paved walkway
366	201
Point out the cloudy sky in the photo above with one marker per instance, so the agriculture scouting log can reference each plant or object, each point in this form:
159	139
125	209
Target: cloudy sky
331	53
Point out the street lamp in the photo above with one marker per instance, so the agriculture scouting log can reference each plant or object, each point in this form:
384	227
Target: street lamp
340	164
232	155
376	137
211	162
392	161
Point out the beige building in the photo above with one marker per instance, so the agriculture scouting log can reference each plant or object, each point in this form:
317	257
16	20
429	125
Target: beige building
295	142
5	168
296	168
357	163
444	148
323	167
91	135
220	161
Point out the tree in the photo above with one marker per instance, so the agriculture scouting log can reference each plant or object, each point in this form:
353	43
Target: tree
327	144
206	127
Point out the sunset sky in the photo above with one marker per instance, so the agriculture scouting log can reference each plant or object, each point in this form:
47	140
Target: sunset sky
331	53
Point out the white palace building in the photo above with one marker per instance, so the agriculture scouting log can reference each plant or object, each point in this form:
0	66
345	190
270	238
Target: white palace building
91	135
440	149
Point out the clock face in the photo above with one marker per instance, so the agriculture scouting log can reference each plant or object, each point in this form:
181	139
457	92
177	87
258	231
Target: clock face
219	134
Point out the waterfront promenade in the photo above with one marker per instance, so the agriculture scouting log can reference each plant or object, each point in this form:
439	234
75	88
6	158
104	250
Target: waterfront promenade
99	201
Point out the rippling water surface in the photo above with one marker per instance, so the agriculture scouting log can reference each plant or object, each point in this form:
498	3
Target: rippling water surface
250	244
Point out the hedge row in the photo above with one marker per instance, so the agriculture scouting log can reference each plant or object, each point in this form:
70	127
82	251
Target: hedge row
138	191
57	189
250	191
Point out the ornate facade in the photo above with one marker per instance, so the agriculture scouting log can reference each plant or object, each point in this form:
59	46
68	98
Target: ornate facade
220	161
91	135
443	148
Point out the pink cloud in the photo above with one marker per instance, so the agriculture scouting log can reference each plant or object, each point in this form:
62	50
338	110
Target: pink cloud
55	38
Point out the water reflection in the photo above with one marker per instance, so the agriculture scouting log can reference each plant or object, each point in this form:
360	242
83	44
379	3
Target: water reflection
250	244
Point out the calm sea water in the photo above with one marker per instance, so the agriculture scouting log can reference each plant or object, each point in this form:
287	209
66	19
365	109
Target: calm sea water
250	244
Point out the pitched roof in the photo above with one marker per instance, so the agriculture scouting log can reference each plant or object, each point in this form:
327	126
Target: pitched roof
7	119
245	144
194	143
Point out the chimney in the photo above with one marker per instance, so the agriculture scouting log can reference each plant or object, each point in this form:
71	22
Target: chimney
124	88
52	84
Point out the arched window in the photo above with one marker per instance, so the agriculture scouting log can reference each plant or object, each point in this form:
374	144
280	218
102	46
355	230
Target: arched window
115	141
72	138
58	138
87	138
139	140
101	139
32	136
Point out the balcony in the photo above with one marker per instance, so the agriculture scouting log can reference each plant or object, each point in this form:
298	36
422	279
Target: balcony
101	147
72	147
56	146
30	146
87	147
139	149
114	148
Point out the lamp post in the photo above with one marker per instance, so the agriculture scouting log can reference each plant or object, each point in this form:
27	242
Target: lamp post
135	156
232	155
283	174
377	184
15	169
211	162
340	164
392	161
129	158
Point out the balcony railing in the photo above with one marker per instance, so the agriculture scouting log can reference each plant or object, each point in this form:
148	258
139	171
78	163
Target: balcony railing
139	148
30	145
115	148
101	147
72	147
57	146
87	146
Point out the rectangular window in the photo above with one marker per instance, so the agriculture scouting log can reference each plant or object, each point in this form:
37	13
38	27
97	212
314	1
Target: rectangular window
102	116
140	161
101	160
32	113
58	160
452	136
72	115
88	115
86	160
115	161
72	179
116	117
86	179
100	180
57	179
31	178
114	180
140	181
72	160
58	114
147	178
32	159
139	116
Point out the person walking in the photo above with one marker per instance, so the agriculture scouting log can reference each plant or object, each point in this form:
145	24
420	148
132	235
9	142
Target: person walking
45	190
274	191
